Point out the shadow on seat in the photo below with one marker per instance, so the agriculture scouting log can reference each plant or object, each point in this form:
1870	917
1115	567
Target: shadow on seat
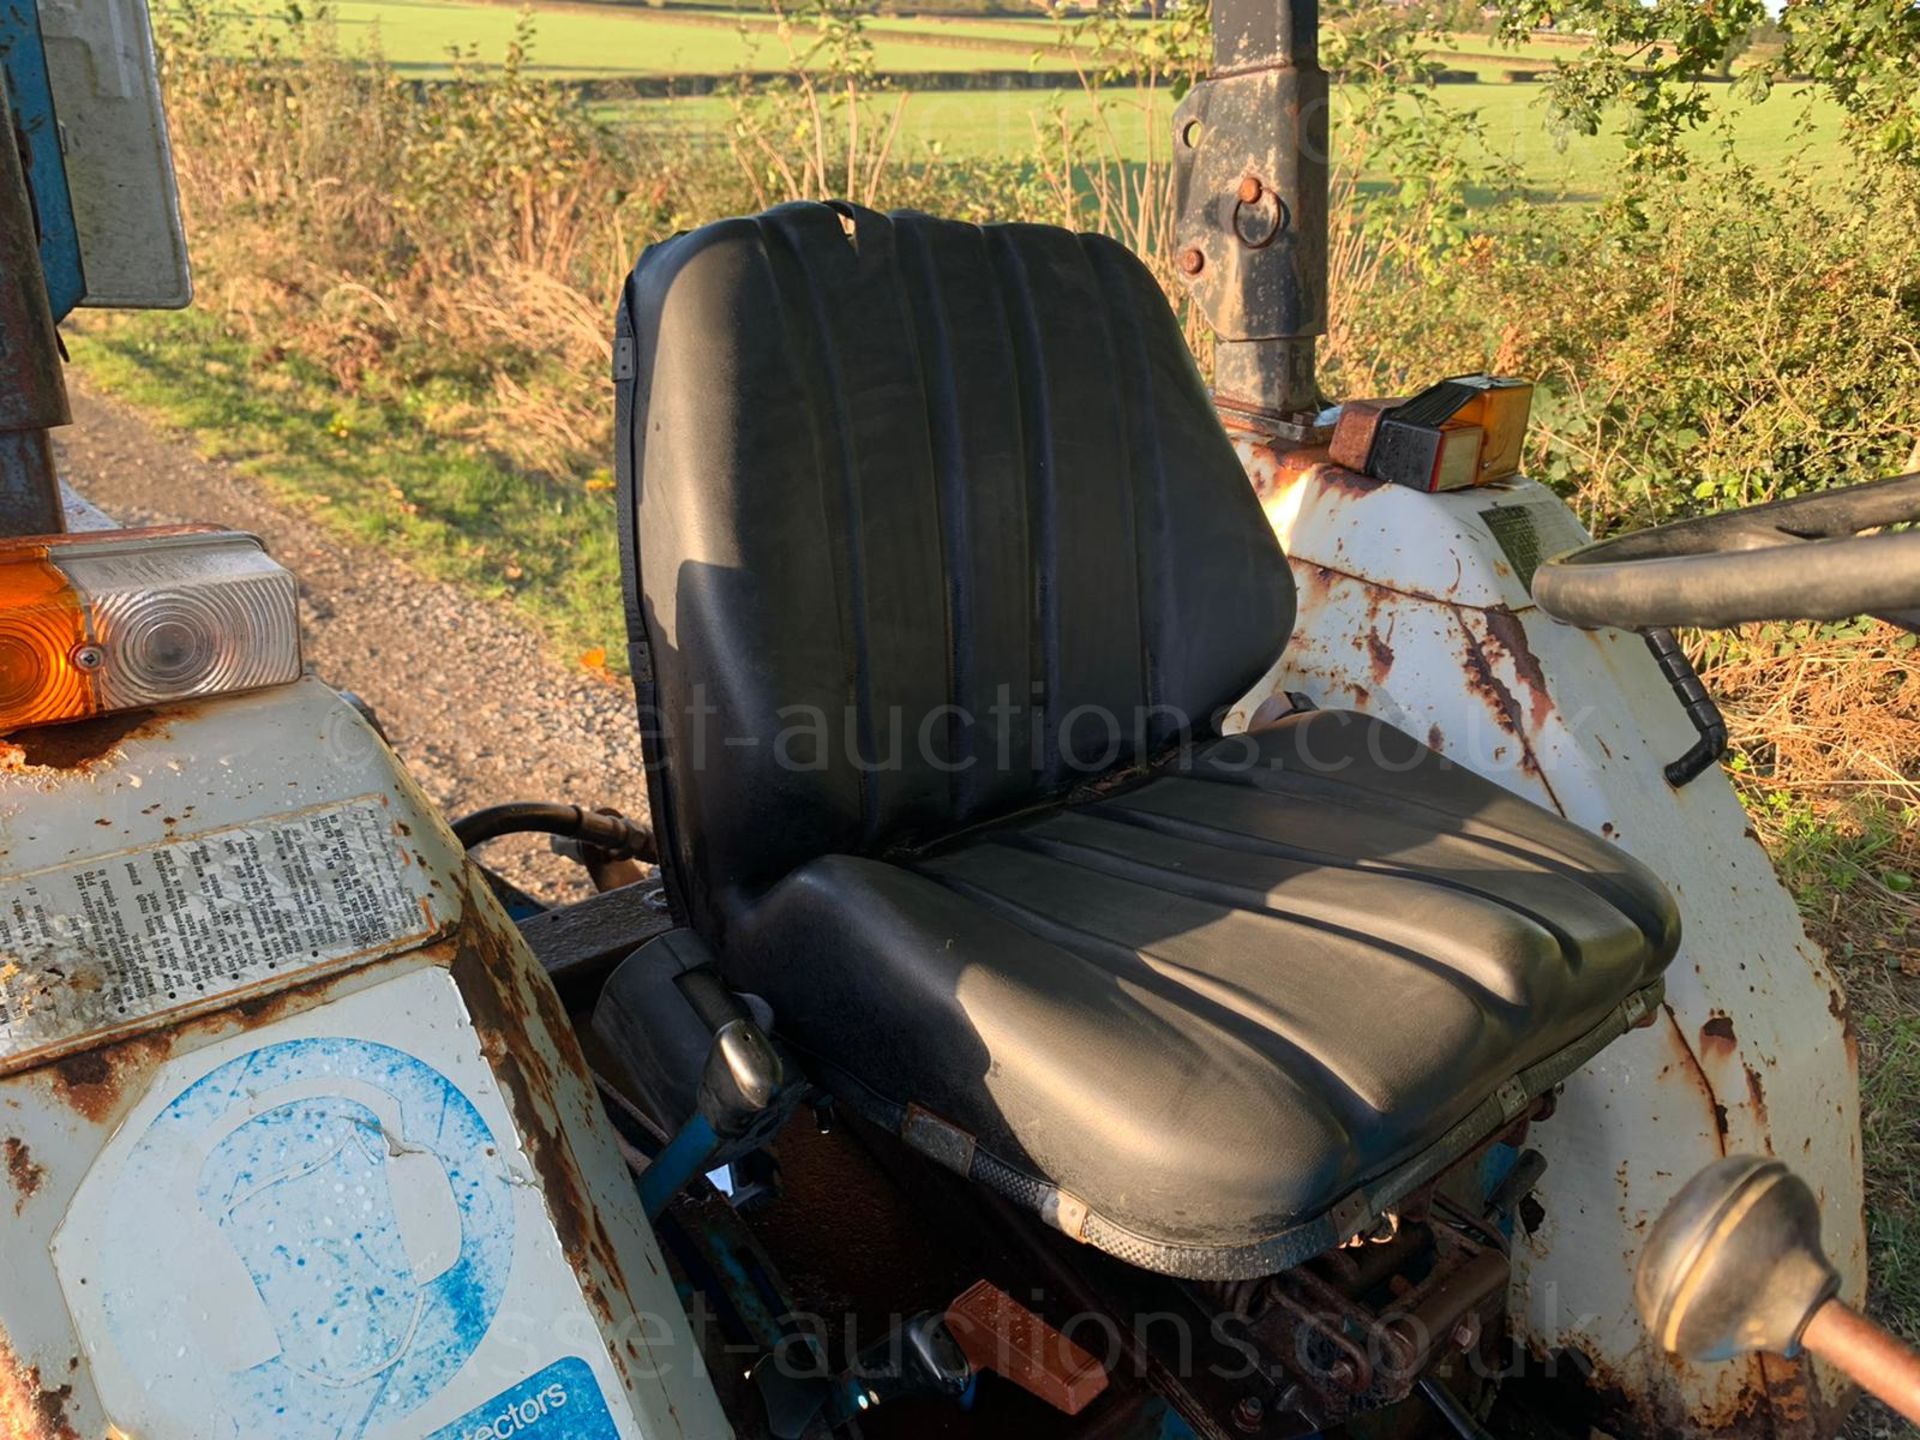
940	568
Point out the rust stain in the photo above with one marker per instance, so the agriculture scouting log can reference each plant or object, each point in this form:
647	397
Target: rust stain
1688	1064
1380	653
1841	1010
1274	473
31	1409
1757	1098
82	746
1804	1400
506	1003
94	1083
1624	1403
1347	484
1436	738
1491	689
25	1175
1313	583
1510	635
98	1083
1494	694
1717	1039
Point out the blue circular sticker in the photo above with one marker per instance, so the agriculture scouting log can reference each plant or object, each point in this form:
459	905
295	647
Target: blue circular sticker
349	1219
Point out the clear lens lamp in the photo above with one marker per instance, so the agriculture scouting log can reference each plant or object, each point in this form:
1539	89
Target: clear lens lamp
111	620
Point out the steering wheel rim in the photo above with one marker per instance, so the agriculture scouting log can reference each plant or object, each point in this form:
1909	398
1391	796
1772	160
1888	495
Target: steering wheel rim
1799	559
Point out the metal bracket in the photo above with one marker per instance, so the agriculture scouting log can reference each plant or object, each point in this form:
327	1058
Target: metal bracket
1513	1098
1250	163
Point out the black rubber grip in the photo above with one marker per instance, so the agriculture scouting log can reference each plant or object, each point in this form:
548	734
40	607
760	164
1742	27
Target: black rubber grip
1701	710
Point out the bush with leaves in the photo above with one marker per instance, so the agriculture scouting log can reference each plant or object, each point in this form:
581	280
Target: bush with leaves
1648	61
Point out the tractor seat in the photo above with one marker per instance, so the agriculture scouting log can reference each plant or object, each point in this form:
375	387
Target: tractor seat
939	567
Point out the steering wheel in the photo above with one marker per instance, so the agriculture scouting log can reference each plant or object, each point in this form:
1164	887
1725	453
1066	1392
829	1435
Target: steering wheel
1800	559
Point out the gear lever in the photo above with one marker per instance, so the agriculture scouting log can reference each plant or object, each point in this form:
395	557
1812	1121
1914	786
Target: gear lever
1735	1265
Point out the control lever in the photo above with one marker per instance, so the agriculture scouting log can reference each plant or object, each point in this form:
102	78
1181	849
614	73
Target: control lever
1735	1266
740	1089
919	1358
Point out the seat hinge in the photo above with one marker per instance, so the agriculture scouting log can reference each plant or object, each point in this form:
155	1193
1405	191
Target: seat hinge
1513	1098
1350	1217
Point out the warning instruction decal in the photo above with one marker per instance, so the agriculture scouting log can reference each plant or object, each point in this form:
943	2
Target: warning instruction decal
95	944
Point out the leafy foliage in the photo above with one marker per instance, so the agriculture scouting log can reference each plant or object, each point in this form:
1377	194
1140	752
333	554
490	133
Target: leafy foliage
1652	58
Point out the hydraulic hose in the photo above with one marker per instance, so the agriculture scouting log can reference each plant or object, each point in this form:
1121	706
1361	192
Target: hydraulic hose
620	837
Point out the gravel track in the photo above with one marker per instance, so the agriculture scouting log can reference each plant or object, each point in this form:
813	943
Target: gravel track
469	696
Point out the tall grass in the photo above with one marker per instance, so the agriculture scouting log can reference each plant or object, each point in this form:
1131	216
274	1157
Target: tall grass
449	249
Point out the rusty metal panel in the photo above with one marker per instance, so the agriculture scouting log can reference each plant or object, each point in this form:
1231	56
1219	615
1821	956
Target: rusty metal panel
1415	608
374	1194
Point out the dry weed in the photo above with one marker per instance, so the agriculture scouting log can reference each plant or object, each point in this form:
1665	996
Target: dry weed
1825	724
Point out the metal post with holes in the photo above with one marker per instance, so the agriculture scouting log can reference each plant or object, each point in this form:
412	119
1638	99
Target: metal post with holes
1250	156
33	393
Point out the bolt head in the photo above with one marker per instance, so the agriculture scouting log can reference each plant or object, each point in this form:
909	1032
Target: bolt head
1192	262
1251	190
88	657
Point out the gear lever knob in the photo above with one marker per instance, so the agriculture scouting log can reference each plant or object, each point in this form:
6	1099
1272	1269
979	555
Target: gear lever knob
1735	1265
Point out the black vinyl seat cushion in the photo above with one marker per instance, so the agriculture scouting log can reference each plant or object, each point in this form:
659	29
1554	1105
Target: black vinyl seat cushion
931	533
1225	1016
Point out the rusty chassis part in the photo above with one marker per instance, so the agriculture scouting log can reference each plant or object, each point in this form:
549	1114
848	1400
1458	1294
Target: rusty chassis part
1347	1353
1354	1330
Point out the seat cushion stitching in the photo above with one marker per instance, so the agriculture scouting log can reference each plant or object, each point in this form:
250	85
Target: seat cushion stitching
949	469
1188	886
1145	491
842	486
1014	292
1257	845
1555	858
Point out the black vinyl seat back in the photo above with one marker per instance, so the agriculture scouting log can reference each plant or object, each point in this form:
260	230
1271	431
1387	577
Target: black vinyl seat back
925	523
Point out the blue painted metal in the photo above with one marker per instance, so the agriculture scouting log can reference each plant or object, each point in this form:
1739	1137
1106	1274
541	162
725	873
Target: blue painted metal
24	55
1495	1166
1157	1420
688	1154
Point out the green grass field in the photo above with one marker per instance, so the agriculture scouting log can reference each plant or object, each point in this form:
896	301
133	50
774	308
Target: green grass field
582	41
585	41
1784	129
